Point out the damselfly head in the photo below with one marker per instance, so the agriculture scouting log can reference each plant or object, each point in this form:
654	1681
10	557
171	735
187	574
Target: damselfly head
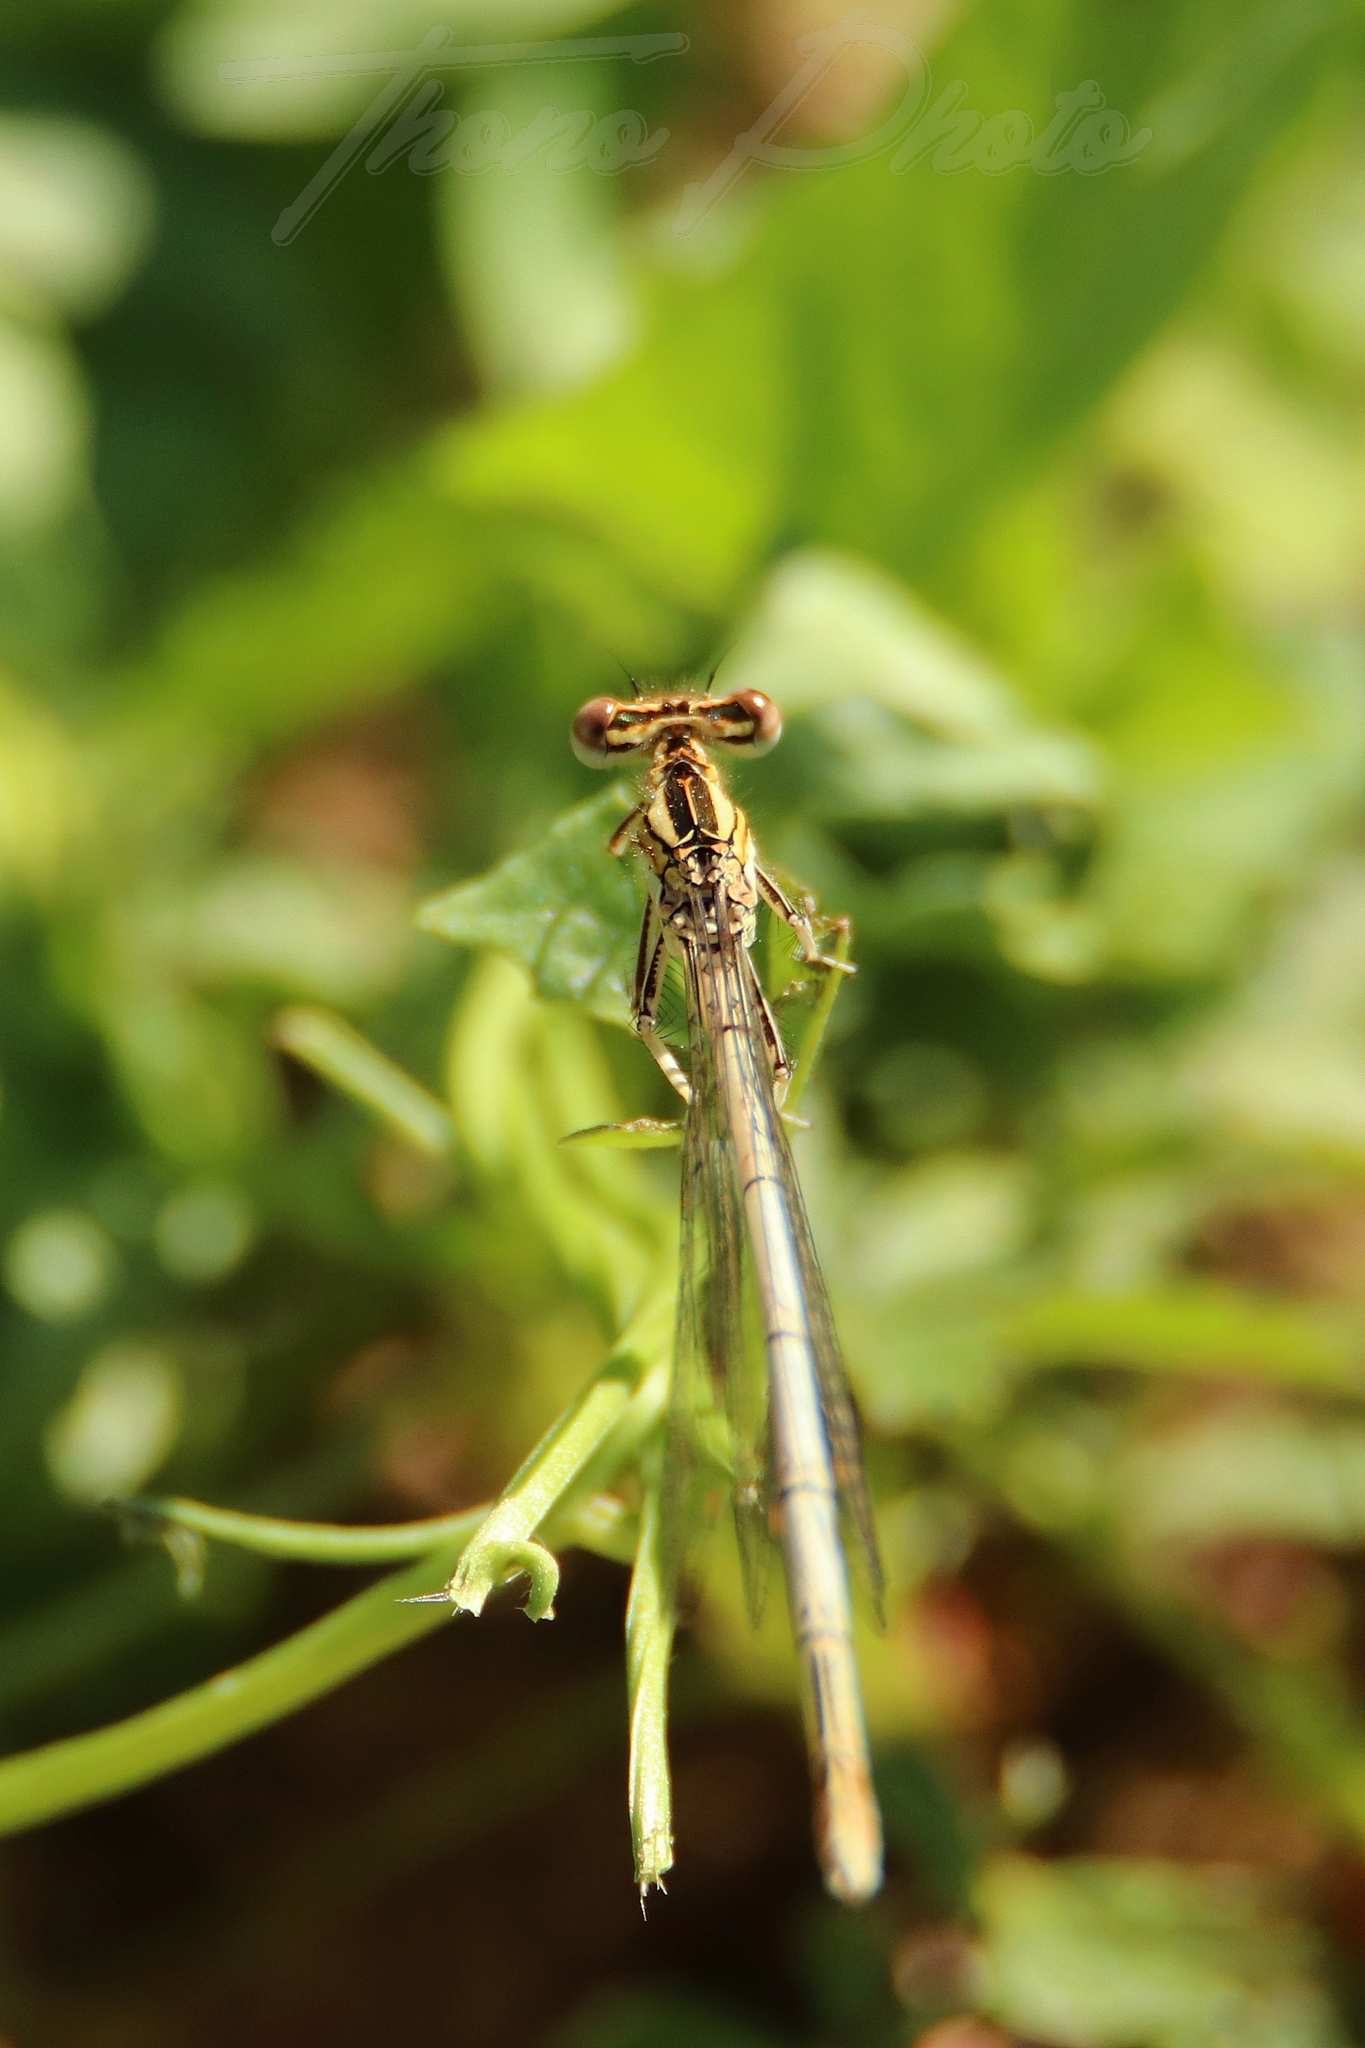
745	719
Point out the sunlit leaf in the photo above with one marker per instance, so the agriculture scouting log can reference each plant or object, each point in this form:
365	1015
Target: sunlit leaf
564	908
1249	1472
1094	1954
531	253
1190	1327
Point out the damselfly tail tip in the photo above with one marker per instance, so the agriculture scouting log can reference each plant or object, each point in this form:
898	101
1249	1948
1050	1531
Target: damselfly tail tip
848	1835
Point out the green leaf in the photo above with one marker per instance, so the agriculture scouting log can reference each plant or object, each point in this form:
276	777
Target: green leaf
978	317
1213	812
639	1134
1193	1327
564	908
703	395
343	1056
535	270
1092	1954
894	352
1248	1473
912	717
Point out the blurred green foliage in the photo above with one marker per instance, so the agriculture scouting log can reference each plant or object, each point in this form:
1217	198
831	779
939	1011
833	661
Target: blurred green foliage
1037	502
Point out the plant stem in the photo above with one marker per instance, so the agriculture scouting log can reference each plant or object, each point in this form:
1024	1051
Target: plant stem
337	1052
304	1542
40	1784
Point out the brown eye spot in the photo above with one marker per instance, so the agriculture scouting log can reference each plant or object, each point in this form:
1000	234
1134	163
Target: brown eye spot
588	734
763	715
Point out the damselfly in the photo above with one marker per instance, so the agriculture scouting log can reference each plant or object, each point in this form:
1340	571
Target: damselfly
796	1457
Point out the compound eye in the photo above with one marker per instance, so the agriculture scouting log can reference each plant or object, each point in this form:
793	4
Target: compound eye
767	719
588	733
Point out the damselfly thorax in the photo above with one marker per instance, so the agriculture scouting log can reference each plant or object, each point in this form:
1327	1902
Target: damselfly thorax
705	880
697	842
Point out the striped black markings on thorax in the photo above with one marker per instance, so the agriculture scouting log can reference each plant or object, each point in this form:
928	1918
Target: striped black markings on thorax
696	839
691	809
